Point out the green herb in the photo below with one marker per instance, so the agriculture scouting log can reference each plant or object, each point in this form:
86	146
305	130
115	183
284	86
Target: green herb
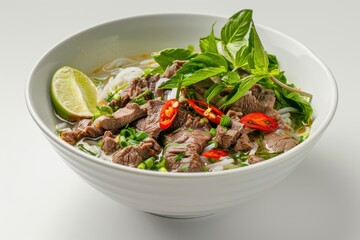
212	131
143	97
179	156
105	110
149	162
84	149
161	163
225	121
239	59
167	56
163	169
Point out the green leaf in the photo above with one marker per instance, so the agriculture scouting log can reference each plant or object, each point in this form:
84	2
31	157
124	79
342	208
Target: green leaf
230	78
202	74
167	56
260	57
242	56
213	91
237	26
241	88
208	44
105	110
198	68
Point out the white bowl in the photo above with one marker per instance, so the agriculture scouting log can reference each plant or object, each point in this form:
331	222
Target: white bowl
176	194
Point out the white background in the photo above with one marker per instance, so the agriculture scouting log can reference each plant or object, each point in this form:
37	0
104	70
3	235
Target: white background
41	198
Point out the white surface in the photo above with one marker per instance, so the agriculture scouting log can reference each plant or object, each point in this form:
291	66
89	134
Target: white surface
41	198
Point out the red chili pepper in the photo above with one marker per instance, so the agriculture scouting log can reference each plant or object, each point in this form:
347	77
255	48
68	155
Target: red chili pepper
215	153
211	112
168	113
259	121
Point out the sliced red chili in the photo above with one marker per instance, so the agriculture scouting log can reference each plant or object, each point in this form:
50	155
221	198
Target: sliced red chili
210	112
215	153
259	121
168	113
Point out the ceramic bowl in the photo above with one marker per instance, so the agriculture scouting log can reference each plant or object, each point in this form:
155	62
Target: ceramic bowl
176	194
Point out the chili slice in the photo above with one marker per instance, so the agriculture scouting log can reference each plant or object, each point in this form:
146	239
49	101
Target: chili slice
215	153
211	112
168	113
259	121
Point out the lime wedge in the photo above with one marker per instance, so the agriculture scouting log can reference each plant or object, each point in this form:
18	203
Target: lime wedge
73	94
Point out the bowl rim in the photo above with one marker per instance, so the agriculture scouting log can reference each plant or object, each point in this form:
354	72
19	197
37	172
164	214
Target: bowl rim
122	168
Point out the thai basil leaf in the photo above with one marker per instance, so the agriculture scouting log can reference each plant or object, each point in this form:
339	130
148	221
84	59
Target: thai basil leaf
260	57
237	26
213	91
231	78
198	68
167	56
242	56
241	88
208	44
202	74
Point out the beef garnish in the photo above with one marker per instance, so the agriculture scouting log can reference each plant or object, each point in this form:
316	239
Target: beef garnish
133	155
123	116
109	144
277	142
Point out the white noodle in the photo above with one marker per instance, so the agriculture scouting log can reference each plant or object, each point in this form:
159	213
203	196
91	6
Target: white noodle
209	147
254	149
223	162
287	110
161	81
122	80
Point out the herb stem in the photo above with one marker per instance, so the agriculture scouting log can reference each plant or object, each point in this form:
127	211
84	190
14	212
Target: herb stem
290	89
275	80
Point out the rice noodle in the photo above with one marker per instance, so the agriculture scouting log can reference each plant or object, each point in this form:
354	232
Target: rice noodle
285	115
209	147
117	63
149	63
287	110
254	149
122	80
161	81
224	161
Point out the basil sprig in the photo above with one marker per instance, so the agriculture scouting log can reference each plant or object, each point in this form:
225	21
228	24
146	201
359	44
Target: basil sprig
238	58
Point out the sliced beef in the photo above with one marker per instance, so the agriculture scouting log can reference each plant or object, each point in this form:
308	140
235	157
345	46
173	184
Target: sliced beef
83	128
255	159
123	116
109	143
243	143
150	124
180	120
189	142
133	155
277	142
227	136
195	139
171	70
264	96
257	100
124	99
189	162
194	122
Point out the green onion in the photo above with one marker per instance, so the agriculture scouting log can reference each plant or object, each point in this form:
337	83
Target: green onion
149	162
212	131
141	136
84	149
163	169
225	121
117	97
179	156
161	163
141	166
